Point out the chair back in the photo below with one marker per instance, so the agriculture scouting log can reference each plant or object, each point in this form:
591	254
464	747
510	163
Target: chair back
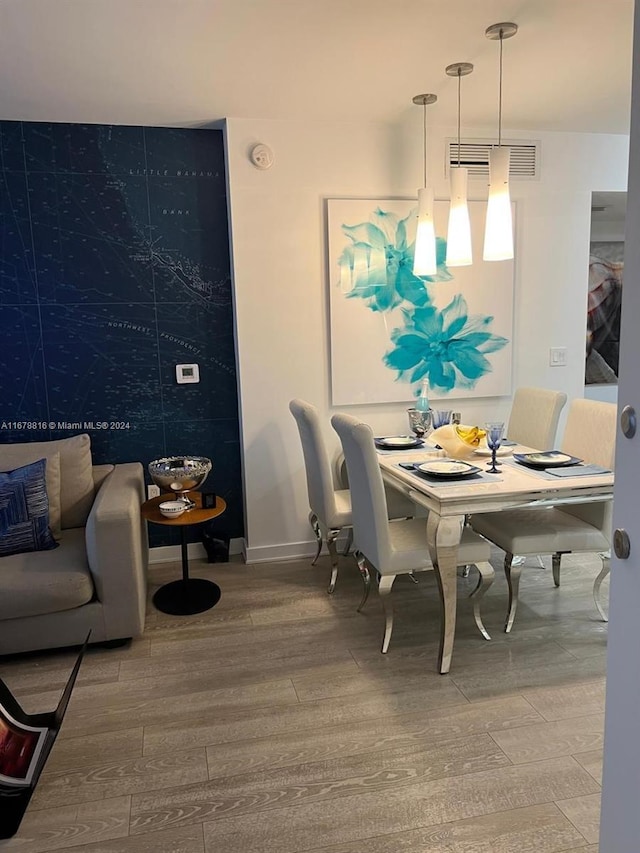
368	500
590	434
320	487
534	417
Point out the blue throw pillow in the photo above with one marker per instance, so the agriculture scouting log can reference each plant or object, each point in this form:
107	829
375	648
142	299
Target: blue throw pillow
24	510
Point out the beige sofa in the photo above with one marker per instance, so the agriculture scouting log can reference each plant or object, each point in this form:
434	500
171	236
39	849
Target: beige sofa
96	578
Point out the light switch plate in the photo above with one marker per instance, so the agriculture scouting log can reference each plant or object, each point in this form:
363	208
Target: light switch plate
187	373
558	357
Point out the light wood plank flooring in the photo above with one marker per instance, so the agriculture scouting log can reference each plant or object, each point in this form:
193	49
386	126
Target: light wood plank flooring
272	723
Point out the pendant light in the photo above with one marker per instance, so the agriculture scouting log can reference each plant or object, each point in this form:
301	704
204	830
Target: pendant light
424	258
498	235
459	252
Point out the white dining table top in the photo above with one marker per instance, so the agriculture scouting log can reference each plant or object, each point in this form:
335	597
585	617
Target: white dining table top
515	485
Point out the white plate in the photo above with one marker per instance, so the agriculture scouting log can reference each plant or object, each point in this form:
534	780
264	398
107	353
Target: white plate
446	467
548	456
501	451
399	441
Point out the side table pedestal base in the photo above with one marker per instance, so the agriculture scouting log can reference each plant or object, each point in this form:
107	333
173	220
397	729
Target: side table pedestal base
185	597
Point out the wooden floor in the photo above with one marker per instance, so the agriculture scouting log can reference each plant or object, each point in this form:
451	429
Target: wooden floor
272	723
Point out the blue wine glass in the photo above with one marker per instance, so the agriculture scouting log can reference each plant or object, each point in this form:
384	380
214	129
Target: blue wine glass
495	431
440	417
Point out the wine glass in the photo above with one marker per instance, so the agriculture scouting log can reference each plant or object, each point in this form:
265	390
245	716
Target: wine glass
440	417
495	431
419	422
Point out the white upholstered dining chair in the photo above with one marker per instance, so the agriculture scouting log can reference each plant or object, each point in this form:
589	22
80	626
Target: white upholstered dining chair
330	507
534	416
533	421
581	527
392	548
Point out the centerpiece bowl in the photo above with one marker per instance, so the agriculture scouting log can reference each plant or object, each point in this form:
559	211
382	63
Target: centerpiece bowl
180	474
458	440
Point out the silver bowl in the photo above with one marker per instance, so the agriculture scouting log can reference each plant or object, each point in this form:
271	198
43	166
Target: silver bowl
180	474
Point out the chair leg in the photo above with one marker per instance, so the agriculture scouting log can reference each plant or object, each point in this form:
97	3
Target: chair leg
366	579
519	560
513	580
555	566
486	578
347	547
604	571
413	578
313	521
384	588
332	535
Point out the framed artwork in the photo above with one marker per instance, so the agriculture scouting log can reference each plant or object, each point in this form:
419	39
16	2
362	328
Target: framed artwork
606	266
390	329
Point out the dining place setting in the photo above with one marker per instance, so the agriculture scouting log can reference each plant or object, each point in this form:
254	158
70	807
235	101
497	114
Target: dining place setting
446	446
456	451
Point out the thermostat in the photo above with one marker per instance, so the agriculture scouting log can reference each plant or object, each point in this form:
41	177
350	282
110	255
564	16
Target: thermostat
186	373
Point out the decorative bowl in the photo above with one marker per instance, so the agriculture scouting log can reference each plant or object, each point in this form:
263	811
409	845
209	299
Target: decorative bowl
459	442
172	509
179	474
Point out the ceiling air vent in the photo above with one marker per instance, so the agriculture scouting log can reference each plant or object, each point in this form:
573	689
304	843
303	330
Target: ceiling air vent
474	154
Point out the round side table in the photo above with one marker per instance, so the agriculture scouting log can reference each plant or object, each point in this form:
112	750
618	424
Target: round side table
189	595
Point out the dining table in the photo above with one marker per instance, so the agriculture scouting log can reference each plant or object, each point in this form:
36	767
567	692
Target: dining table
450	501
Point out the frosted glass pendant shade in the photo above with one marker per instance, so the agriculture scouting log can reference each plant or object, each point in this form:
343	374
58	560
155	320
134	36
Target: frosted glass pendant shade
424	259
459	252
498	234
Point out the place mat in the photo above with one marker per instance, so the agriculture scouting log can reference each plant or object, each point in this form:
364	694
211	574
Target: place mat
579	471
554	473
480	477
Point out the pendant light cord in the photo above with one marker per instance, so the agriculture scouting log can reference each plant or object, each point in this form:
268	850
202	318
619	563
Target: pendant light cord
500	97
459	87
424	141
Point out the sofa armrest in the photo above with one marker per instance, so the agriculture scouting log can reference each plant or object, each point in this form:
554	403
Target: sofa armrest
118	550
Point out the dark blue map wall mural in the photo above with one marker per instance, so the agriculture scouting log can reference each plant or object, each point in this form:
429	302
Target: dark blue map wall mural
114	268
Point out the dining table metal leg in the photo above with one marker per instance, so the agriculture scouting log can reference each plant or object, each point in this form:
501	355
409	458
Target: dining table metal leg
443	538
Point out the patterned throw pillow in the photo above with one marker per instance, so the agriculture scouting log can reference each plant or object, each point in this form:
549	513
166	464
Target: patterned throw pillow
24	510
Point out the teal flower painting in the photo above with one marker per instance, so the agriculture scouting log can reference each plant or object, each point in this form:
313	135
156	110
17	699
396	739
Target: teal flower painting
379	262
448	347
390	329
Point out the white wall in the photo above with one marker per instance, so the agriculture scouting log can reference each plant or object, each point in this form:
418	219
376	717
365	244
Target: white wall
607	232
277	220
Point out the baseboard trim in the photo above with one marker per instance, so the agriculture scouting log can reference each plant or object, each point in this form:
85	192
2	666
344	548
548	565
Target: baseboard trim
260	554
286	551
195	551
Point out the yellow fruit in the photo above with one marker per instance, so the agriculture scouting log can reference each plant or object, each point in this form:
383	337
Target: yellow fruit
471	435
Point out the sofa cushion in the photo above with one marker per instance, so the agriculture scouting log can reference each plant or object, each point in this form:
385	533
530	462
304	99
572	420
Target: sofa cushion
46	581
14	456
24	510
76	477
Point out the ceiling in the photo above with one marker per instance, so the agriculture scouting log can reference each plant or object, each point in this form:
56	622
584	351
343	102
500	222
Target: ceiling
608	206
195	61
